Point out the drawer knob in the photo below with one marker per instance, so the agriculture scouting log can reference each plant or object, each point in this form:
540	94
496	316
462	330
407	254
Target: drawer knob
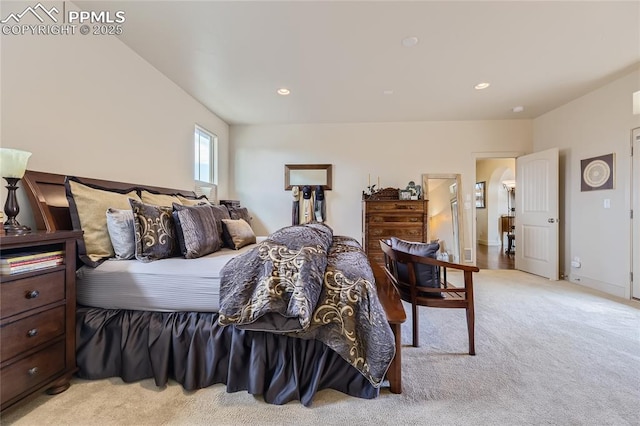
33	332
32	371
32	294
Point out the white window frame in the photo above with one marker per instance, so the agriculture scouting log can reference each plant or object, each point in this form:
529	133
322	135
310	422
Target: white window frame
200	133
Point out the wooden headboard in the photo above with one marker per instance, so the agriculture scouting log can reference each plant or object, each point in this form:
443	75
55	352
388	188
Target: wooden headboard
49	203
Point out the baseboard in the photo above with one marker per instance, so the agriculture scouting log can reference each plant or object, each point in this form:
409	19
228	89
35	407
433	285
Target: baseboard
609	288
488	243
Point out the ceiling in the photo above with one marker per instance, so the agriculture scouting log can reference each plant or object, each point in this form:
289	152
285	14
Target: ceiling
345	61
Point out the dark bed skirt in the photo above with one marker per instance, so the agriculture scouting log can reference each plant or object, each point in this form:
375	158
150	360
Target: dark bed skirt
192	349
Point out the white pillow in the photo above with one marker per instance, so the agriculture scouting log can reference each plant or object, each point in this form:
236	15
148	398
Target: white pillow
122	232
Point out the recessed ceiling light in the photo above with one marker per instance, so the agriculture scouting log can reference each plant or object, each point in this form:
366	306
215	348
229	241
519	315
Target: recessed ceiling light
283	91
481	86
518	108
409	41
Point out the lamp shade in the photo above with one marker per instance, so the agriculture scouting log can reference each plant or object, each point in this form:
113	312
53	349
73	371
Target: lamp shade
13	162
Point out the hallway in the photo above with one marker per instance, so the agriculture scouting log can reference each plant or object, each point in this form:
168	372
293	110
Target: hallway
493	257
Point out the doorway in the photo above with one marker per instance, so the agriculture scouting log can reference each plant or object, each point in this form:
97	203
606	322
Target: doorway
495	216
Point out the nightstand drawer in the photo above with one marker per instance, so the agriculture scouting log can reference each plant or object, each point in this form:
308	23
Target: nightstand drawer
32	371
30	332
33	292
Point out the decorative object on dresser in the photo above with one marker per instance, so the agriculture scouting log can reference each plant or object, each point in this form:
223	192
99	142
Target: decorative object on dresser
386	218
37	325
13	163
382	194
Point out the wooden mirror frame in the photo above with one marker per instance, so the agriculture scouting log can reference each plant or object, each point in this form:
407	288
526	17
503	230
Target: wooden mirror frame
314	167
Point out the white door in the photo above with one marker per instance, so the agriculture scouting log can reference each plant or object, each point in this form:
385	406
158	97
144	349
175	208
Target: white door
635	223
537	229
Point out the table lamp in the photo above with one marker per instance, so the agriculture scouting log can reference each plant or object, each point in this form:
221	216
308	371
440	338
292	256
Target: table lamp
13	164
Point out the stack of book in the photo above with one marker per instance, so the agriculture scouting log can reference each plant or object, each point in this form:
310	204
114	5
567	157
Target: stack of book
32	261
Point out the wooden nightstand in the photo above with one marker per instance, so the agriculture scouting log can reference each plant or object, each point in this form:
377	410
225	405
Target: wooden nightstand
37	319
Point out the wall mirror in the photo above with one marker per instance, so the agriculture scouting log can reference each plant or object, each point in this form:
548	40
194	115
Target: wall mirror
445	221
307	174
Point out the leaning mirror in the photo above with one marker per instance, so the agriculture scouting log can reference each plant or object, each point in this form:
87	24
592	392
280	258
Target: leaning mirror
307	174
445	221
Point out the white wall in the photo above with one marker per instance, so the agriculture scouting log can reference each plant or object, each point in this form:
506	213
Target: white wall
90	106
596	124
396	152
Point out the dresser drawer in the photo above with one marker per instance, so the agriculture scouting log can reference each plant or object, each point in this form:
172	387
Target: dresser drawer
395	206
405	233
395	218
30	332
29	293
31	371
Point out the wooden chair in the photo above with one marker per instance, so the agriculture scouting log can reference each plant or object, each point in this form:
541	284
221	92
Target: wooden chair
420	295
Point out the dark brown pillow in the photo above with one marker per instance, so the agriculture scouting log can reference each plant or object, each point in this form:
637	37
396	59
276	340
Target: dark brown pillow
155	231
220	212
240	213
196	230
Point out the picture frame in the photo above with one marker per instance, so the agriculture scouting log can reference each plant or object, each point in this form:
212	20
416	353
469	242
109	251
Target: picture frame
405	194
597	173
480	194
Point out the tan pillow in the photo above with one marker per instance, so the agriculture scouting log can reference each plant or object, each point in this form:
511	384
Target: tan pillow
159	199
191	201
237	233
91	206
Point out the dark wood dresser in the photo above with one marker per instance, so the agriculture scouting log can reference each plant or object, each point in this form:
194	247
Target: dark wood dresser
37	318
382	219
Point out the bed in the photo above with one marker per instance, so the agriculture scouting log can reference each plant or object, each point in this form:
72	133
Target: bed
185	341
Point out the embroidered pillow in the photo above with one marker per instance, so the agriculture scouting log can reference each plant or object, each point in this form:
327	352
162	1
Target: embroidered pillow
122	232
196	230
155	232
237	233
87	206
426	275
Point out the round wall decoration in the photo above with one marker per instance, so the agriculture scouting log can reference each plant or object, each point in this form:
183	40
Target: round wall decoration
597	173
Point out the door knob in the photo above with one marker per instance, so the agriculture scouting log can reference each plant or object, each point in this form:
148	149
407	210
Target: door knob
551	220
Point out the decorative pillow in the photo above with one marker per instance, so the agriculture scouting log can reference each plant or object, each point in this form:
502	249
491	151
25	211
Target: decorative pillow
122	232
158	199
155	232
220	212
193	201
426	275
87	205
237	233
196	230
240	213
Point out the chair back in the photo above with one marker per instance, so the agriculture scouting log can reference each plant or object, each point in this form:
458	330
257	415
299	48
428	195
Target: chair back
415	277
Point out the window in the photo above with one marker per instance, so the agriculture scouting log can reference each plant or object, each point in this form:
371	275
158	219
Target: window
206	150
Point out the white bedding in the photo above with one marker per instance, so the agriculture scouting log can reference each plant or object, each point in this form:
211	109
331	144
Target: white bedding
167	285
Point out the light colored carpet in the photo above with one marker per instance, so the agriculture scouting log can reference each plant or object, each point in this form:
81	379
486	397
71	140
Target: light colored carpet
547	353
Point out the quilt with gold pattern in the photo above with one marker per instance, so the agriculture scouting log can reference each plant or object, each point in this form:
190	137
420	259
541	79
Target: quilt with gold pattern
305	282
